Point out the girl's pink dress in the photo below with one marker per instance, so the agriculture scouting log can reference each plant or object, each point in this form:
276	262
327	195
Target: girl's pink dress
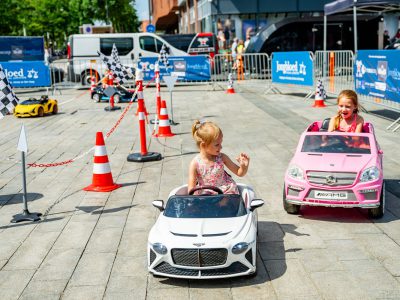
215	175
351	128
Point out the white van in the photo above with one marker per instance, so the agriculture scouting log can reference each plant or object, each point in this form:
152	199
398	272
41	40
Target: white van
85	62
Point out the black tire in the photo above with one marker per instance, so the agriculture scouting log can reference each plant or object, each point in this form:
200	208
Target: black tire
40	112
55	109
292	209
96	98
117	98
378	212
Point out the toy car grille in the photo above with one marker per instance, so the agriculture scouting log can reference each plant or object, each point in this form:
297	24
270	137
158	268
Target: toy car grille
199	257
331	178
234	268
152	256
166	268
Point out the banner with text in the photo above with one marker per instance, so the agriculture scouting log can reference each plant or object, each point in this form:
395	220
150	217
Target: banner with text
377	74
186	68
27	73
293	68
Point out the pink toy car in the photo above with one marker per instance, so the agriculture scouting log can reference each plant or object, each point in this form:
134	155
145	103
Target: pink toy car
337	169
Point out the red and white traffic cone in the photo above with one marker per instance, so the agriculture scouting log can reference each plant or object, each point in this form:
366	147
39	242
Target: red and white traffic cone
102	178
319	95
92	84
164	129
144	155
230	89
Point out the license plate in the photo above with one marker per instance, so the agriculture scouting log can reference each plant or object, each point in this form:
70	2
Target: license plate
330	195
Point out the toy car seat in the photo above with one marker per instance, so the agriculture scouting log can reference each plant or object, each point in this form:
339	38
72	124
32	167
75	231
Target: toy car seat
325	124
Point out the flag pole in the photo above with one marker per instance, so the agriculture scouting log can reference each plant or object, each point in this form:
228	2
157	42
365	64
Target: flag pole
25	215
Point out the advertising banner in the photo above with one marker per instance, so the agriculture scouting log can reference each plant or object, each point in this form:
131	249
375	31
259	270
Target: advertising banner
21	48
377	74
27	73
186	68
292	68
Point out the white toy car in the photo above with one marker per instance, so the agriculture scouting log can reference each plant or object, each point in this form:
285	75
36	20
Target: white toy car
204	236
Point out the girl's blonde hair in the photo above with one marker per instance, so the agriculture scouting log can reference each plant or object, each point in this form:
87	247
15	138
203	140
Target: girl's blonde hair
205	132
349	94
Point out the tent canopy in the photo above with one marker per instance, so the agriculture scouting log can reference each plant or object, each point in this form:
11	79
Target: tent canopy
365	6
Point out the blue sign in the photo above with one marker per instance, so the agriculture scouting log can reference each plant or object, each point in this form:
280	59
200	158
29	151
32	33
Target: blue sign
150	28
21	48
377	74
186	68
27	73
292	68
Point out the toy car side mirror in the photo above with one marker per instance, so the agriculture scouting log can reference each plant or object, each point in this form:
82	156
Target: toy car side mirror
380	151
158	204
255	203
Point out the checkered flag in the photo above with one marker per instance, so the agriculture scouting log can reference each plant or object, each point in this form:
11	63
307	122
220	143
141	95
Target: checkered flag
8	100
120	73
163	56
114	54
320	91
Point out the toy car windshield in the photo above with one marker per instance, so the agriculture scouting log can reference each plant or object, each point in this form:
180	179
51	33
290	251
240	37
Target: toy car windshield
336	144
215	206
30	101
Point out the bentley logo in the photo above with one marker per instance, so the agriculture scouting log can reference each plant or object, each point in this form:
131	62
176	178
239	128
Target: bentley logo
199	244
330	179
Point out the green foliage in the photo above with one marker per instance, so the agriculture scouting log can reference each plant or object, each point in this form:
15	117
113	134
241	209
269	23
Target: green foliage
58	19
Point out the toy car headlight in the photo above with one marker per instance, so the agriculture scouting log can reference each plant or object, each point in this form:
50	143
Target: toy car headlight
370	174
295	172
240	248
160	248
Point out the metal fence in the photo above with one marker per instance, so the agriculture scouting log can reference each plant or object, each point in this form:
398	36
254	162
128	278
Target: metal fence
245	67
338	67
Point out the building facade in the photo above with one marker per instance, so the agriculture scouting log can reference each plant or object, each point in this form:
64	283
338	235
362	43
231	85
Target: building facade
234	17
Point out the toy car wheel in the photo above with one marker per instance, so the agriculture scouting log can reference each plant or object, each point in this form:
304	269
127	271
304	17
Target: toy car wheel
55	110
117	98
378	212
290	208
96	98
40	112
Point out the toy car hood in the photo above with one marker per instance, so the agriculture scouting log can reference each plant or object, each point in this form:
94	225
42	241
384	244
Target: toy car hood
333	162
175	228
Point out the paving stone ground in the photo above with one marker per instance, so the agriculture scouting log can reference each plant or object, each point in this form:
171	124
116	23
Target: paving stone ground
93	245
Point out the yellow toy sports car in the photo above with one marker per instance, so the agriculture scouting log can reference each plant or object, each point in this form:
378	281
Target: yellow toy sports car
36	108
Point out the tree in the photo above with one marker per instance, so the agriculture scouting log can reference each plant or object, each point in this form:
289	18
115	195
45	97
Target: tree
55	20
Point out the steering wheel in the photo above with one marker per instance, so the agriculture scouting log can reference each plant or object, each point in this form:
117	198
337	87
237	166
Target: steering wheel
205	187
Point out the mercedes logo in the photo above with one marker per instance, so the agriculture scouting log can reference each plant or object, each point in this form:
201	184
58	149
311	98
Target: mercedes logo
330	179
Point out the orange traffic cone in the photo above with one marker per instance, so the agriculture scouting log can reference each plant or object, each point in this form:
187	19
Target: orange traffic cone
102	178
319	95
230	89
92	84
164	129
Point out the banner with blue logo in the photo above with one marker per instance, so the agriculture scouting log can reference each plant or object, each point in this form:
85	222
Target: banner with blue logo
27	73
292	68
377	74
186	68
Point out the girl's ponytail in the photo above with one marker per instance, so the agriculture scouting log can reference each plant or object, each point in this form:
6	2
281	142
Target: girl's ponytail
195	126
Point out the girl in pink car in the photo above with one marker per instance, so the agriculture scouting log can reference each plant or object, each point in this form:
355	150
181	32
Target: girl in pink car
207	168
347	118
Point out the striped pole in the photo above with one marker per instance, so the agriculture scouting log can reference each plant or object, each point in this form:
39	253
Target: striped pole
144	155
